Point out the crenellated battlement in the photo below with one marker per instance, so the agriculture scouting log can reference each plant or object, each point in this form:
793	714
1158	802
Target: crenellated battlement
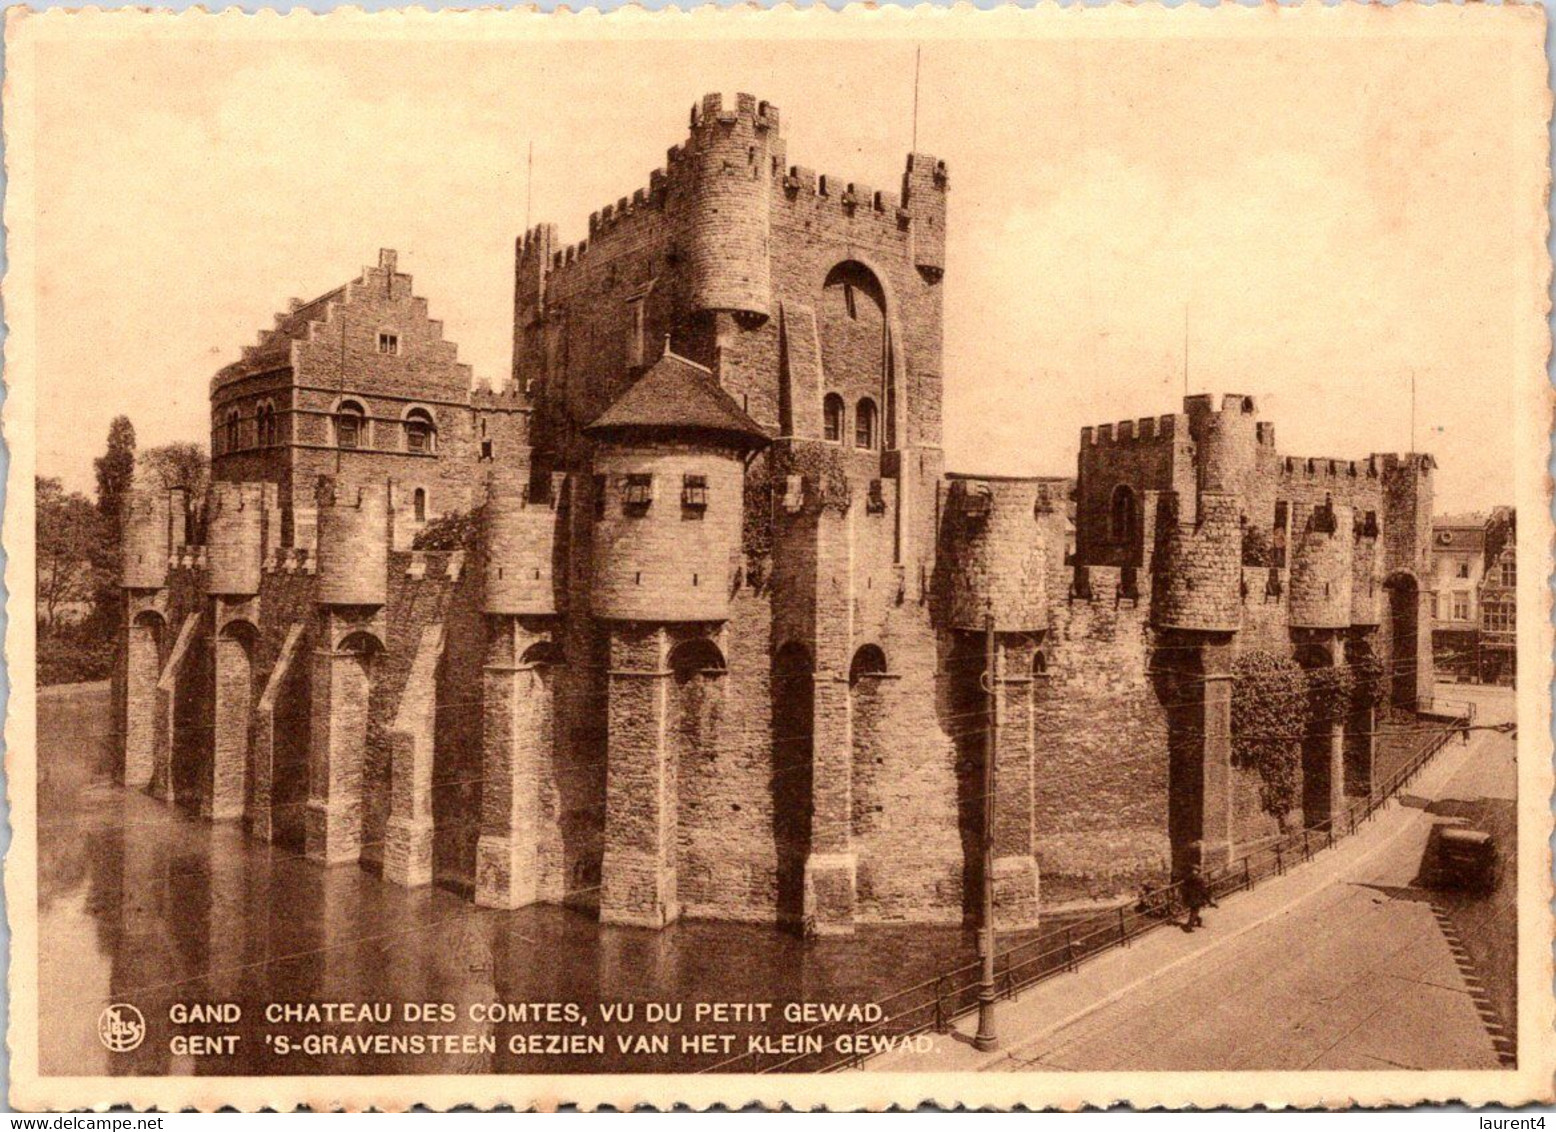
1296	468
1146	430
719	143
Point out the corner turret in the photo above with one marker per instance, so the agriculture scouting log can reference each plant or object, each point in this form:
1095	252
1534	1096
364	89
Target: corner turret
729	161
353	544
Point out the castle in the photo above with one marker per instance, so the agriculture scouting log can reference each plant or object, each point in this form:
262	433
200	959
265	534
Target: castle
712	640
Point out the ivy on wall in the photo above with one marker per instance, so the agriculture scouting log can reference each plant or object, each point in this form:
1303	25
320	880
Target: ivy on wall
1330	691
1269	715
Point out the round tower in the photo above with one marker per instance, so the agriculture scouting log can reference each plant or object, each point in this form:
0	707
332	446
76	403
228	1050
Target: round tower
1228	442
668	496
1198	565
520	549
147	540
1366	574
1321	570
353	544
235	538
667	530
1001	554
730	175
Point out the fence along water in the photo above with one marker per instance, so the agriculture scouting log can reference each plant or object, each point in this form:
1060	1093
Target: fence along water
935	1004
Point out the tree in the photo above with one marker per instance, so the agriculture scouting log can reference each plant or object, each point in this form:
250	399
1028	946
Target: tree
115	473
115	470
70	537
182	466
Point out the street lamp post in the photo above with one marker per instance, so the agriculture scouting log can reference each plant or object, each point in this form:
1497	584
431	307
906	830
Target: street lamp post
985	1039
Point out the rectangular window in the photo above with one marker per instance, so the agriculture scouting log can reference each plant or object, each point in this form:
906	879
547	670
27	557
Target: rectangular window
1278	539
1464	570
486	449
1498	617
694	493
638	492
1507	570
388	343
1461	606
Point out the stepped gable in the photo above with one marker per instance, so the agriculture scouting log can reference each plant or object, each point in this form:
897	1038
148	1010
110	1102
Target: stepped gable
677	394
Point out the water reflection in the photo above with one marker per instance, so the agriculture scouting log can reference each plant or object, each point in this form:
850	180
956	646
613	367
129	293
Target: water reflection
146	904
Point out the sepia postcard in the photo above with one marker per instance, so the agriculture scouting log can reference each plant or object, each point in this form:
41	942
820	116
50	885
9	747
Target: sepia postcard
826	558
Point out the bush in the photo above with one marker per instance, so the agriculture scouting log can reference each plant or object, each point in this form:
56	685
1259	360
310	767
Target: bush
1269	716
1369	687
1257	550
1329	693
73	654
458	530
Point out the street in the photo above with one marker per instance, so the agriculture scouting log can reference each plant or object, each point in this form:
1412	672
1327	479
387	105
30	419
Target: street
1347	962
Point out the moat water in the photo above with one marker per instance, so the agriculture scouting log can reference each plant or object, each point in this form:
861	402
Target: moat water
145	904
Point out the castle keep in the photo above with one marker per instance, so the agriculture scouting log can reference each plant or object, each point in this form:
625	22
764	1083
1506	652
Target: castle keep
711	642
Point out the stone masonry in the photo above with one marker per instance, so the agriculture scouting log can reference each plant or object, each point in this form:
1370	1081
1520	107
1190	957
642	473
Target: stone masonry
704	635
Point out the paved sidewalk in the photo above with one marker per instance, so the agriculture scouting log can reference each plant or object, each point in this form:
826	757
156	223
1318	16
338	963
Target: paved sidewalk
1328	967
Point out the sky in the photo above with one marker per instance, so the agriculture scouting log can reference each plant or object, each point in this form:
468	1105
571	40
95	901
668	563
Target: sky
1313	220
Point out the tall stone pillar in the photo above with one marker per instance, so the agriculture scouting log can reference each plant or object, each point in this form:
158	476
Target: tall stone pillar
516	738
1016	882
1361	745
223	796
638	869
408	833
1202	773
164	729
1323	753
143	668
831	869
337	747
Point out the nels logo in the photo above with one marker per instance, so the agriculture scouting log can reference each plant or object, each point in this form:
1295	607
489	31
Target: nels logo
121	1027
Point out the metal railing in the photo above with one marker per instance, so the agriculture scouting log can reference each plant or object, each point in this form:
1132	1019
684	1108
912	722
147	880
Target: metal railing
935	1004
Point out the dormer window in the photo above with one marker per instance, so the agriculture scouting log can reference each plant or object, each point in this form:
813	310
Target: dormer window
694	493
388	343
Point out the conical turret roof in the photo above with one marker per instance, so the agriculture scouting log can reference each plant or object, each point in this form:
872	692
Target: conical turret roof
678	395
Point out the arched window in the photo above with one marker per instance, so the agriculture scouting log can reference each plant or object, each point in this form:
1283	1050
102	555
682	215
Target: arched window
697	657
868	661
832	417
350	425
1121	514
420	433
268	433
233	426
864	423
419	504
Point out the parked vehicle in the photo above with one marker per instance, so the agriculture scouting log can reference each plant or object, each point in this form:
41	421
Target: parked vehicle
1464	859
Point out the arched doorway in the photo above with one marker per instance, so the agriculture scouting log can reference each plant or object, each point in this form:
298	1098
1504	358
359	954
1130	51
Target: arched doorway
1404	639
793	690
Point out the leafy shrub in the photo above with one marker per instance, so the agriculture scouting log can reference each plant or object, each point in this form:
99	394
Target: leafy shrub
1370	683
1269	715
1257	550
1329	693
457	530
73	654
